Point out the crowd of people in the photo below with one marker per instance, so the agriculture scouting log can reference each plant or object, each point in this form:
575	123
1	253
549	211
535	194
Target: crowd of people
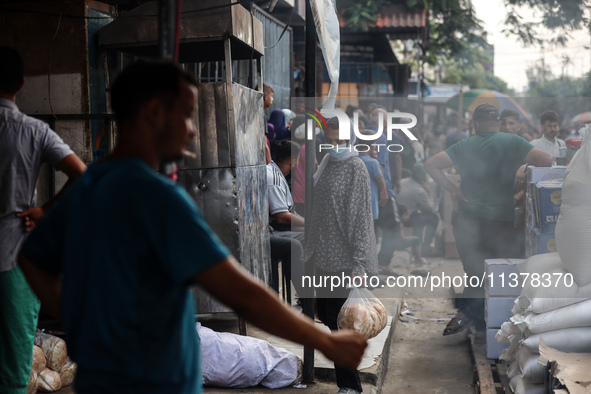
117	250
402	193
406	188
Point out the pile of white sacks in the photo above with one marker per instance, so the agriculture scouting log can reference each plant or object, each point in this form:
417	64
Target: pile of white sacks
555	302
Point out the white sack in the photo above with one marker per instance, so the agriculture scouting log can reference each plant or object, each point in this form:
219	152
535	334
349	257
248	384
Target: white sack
528	366
230	360
329	38
540	263
573	230
575	315
569	340
508	329
539	299
522	386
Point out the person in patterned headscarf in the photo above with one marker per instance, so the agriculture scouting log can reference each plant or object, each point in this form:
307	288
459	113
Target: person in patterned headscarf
341	239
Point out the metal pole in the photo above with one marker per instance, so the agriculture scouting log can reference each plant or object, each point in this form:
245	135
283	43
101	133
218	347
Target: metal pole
310	160
166	29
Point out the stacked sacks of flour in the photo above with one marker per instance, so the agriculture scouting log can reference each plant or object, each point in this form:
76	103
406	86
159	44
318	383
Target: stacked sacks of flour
560	314
52	369
555	302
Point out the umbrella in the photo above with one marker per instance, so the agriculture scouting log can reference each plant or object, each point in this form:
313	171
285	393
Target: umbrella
584	117
475	97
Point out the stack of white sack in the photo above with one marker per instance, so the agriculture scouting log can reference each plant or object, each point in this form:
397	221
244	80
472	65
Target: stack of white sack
555	302
230	360
560	313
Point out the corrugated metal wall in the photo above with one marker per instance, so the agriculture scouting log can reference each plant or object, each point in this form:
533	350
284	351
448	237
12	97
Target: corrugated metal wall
277	66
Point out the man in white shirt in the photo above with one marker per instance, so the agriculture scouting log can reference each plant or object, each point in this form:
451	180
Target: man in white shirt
548	142
281	206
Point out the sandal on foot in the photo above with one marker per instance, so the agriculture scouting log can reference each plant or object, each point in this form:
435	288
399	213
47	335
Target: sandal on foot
480	337
456	324
388	271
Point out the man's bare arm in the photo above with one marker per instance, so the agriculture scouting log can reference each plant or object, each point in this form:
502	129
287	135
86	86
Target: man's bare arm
434	167
73	167
288	218
45	285
538	158
233	286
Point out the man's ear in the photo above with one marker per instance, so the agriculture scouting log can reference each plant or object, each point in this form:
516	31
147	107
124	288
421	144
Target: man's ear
21	85
154	111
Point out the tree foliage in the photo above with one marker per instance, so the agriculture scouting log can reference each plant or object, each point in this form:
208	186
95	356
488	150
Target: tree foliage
457	39
566	95
360	15
477	77
561	17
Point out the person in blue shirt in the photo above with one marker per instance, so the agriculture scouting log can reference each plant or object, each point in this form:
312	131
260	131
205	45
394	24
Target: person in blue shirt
388	219
379	194
117	255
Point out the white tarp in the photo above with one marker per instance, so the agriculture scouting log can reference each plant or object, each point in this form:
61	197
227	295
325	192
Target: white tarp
329	36
229	360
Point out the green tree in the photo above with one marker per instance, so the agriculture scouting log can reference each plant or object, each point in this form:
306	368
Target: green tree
477	77
457	39
566	95
562	17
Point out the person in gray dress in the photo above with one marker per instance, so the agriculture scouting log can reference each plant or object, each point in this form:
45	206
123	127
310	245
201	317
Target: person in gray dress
341	240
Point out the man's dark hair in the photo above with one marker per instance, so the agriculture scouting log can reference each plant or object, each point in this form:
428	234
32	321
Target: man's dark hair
286	150
298	121
142	81
267	88
548	116
12	70
333	123
350	109
363	119
509	113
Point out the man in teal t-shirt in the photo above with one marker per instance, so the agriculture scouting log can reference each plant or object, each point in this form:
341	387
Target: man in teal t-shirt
117	255
487	162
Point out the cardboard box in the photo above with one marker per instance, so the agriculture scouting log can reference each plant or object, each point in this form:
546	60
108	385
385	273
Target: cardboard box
537	174
530	213
494	348
548	198
538	243
502	278
497	310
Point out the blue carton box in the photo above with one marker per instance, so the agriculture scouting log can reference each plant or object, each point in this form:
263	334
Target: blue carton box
548	198
537	174
538	243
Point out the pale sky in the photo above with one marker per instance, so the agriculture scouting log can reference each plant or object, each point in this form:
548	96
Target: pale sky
512	59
